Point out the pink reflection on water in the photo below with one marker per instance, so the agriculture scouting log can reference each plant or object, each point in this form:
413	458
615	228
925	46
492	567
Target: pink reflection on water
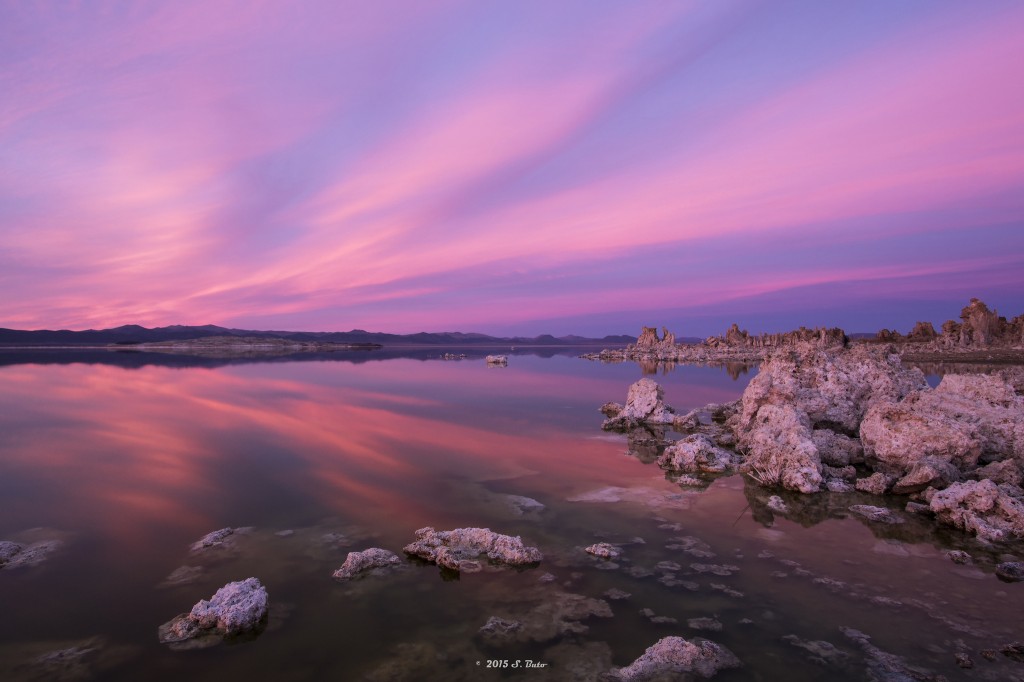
130	452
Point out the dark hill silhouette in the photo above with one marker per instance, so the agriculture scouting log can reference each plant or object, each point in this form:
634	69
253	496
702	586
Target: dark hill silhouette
130	334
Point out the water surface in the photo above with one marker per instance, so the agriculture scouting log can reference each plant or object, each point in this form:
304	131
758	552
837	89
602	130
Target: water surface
129	463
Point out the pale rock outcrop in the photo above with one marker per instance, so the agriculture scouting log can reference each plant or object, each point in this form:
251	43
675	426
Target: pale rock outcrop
675	657
366	560
964	419
780	450
993	513
648	338
496	360
833	388
807	389
459	549
644	405
603	550
225	539
696	453
15	555
236	608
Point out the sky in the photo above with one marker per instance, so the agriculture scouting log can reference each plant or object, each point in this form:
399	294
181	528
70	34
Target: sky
528	167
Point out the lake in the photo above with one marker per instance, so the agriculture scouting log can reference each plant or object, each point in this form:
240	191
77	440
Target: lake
127	459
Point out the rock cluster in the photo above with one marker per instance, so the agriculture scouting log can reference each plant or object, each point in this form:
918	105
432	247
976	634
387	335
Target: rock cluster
459	549
735	337
978	328
496	360
237	608
840	419
673	657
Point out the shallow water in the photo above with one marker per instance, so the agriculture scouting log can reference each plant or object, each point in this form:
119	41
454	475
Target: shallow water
130	463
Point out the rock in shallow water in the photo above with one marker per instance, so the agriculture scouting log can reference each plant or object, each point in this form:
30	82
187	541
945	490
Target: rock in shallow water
674	656
367	560
993	513
644	405
458	549
237	608
876	514
1011	571
603	550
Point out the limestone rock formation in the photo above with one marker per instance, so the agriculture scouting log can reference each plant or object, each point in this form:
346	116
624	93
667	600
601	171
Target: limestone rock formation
15	555
823	337
644	405
675	657
366	560
225	539
922	331
460	548
603	550
496	360
993	513
801	391
964	419
237	608
696	453
980	328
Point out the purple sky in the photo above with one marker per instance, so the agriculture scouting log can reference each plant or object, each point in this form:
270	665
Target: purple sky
515	168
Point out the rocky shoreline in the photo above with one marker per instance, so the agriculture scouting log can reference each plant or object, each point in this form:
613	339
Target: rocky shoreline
840	420
981	336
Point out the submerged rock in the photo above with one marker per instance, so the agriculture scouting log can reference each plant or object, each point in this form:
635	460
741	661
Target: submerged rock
223	539
182	575
603	550
884	666
821	652
644	405
458	549
1011	571
14	555
367	560
876	514
499	631
237	608
671	657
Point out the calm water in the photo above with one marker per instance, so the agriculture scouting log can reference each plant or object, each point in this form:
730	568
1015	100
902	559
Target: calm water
130	465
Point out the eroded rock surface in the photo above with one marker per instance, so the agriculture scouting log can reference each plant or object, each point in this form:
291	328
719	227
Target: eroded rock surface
357	563
697	453
672	657
15	555
237	608
460	549
603	550
993	513
224	539
644	405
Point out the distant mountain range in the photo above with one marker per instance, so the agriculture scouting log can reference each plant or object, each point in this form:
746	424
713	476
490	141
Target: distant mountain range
132	334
